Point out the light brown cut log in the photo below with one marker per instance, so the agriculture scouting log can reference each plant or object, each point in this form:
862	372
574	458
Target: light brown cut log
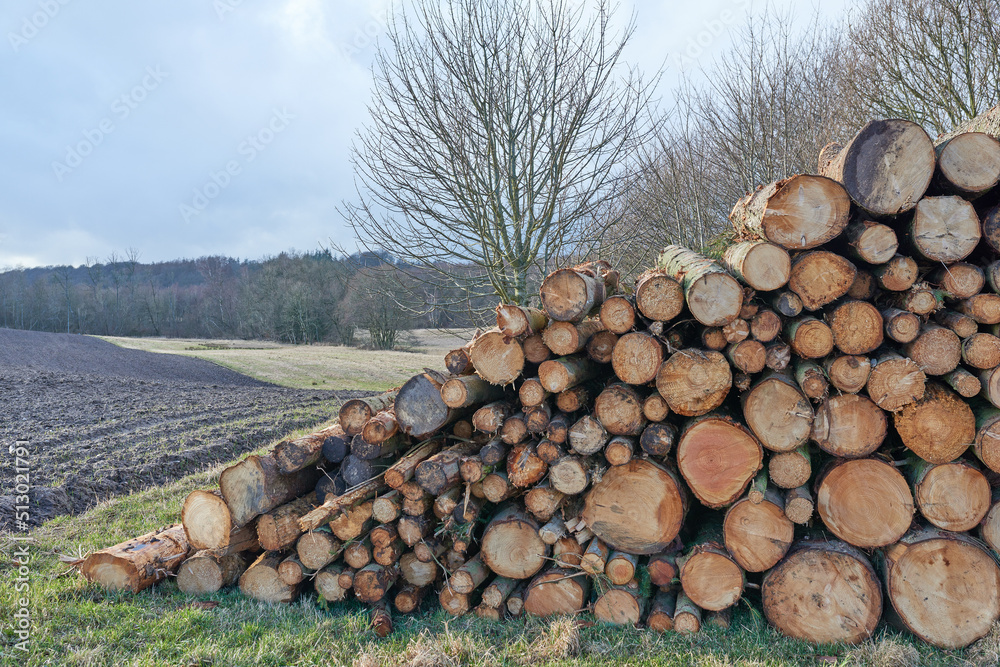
650	496
961	279
358	554
497	358
535	350
796	213
849	426
848	373
569	295
578	398
490	417
355	413
952	496
543	501
619	409
565	338
497	487
870	241
658	296
621	604
969	163
333	506
567	552
712	295
420	409
777	356
417	572
799	505
790	470
864	287
710	577
990	380
944	587
944	229
428	550
661	611
989	529
292	571
761	265
516	321
896	275
758	535
472	469
470	576
886	167
569	475
983	308
765	325
820	277
811	379
936	350
981	351
718	457
442	471
687	615
278	529
353	521
963	382
621	567
712	338
515	601
786	303
255	485
373	581
865	502
658	438
987	442
445	503
558	375
408	598
498	590
524	468
556	592
938	427
466	390
856	327
404	469
963	325
637	357
809	338
588	436
536	418
316	549
748	356
294	455
601	346
381	427
456	604
778	413
694	382
595	557
261	581
920	299
208	524
618	314
895	381
511	546
823	592
900	325
203	573
655	408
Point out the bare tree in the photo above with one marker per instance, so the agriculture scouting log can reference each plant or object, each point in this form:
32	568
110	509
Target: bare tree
936	62
498	130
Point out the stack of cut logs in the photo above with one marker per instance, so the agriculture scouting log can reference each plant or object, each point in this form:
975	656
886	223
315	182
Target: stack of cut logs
811	420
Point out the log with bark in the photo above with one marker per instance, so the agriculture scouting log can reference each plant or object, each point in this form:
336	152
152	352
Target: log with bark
138	563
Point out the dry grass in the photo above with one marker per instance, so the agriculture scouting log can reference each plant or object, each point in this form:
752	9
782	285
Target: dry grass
313	366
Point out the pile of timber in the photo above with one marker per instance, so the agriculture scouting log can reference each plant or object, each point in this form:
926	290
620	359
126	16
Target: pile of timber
811	421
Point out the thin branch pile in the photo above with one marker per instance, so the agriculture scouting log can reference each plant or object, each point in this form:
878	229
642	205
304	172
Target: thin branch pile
810	421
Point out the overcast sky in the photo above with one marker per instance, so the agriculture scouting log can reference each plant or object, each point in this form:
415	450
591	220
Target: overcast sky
197	127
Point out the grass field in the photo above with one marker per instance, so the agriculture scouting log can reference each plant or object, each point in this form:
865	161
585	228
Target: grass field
313	366
76	623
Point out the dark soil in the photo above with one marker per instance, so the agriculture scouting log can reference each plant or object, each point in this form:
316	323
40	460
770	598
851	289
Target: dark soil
101	420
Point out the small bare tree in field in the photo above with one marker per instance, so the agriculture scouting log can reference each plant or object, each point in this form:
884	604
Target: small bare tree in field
498	130
936	62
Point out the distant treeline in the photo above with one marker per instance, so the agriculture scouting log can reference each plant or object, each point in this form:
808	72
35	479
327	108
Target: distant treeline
293	298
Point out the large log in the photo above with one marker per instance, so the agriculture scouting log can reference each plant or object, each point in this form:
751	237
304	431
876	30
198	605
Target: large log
856	327
557	375
497	358
903	326
622	604
865	502
372	582
944	229
138	563
317	549
511	546
952	496
870	241
279	529
565	338
694	382
262	582
255	485
937	350
638	507
637	357
944	587
849	426
895	381
468	390
718	457
809	338
712	295
797	213
761	265
777	412
420	410
848	373
658	296
885	168
823	592
618	313
619	409
896	275
710	576
515	321
556	592
758	535
208	524
569	295
790	470
938	427
968	163
820	277
205	573
294	455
